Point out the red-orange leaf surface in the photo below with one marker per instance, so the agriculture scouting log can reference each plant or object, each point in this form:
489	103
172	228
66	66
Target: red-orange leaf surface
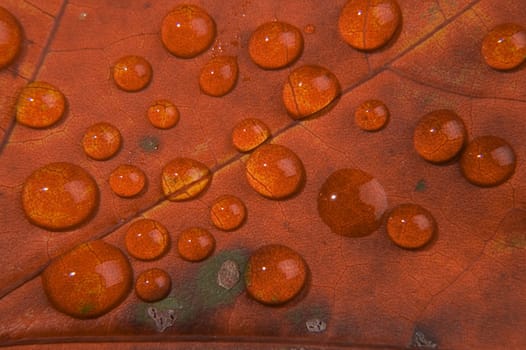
466	289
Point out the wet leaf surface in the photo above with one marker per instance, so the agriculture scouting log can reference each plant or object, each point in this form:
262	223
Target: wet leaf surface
464	290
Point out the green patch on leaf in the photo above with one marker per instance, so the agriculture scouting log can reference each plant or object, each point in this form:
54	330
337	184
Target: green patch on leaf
149	143
210	293
420	186
86	308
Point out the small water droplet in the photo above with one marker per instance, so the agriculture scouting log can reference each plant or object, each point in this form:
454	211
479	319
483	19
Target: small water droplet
219	76
103	278
410	226
367	25
59	196
371	115
439	136
163	114
147	239
249	134
309	29
308	90
187	31
40	105
352	202
275	274
127	180
275	171
184	178
504	47
83	16
275	45
228	212
132	73
195	244
488	161
101	141
153	285
10	38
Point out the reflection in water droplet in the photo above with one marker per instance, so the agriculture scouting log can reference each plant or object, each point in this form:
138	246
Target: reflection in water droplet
228	212
101	141
308	90
89	280
367	25
410	226
352	203
275	274
10	38
147	239
195	244
504	47
153	285
219	76
439	136
187	31
275	171
371	115
275	45
488	161
59	196
40	105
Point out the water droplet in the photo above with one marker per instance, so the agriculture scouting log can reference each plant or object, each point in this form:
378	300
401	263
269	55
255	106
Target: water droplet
59	196
371	115
127	180
101	141
89	280
275	274
187	31
195	244
504	47
10	38
308	90
228	274
488	161
149	143
275	45
132	73
367	25
249	134
219	76
153	285
163	114
439	136
275	171
410	226
352	202
228	212
147	239
184	178
40	105
309	29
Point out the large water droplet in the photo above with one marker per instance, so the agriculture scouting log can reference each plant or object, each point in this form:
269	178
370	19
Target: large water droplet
89	280
40	105
410	226
147	239
10	38
504	47
59	196
352	203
